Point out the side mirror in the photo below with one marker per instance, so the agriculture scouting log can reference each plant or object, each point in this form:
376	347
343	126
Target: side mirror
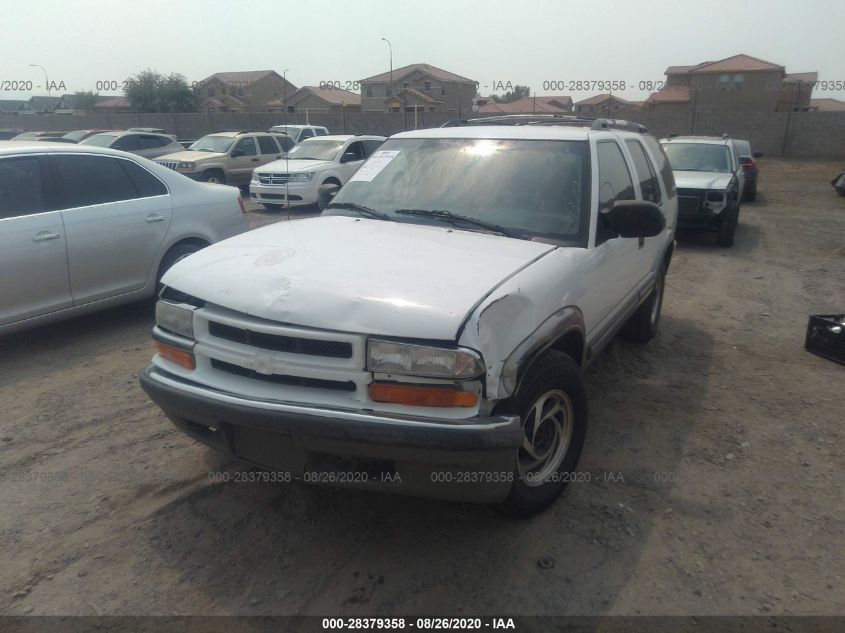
758	154
325	194
635	218
238	153
348	157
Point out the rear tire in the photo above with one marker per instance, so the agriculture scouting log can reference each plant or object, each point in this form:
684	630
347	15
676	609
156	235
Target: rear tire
727	228
552	403
176	253
642	325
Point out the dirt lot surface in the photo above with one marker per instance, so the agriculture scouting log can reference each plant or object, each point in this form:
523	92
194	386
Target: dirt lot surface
714	457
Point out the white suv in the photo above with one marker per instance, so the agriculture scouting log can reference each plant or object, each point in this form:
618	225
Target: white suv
427	334
300	133
296	178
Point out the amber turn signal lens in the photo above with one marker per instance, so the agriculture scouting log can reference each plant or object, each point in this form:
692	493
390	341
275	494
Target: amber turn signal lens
179	356
422	396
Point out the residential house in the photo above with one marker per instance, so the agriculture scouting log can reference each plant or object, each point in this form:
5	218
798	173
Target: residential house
10	106
827	105
739	82
69	104
527	105
606	105
247	91
418	87
39	105
309	99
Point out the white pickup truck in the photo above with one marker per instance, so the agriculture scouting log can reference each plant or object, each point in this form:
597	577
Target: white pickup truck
427	333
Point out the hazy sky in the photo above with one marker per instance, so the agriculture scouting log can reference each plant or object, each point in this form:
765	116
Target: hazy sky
528	42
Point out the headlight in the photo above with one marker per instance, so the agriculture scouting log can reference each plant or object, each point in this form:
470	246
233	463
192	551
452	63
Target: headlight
254	180
178	319
715	199
419	360
185	166
307	176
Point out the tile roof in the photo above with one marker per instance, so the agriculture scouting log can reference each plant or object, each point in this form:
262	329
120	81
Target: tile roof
601	98
416	93
828	105
736	63
679	70
428	69
802	77
334	96
529	105
670	94
238	76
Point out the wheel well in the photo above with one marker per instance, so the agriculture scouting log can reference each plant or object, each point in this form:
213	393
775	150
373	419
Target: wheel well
667	258
571	344
331	180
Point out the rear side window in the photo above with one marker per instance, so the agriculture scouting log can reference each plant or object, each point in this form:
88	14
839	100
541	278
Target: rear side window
127	143
614	184
321	131
21	191
645	172
285	142
89	180
267	146
663	164
146	185
150	142
370	147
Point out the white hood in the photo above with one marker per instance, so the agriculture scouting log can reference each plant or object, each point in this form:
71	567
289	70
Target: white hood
355	275
292	166
717	181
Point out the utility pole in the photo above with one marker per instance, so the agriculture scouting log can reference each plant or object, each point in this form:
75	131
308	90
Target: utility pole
390	46
46	79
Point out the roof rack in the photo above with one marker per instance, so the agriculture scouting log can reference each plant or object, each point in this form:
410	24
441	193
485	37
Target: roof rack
551	119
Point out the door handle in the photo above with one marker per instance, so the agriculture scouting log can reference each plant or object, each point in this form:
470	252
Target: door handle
154	218
43	236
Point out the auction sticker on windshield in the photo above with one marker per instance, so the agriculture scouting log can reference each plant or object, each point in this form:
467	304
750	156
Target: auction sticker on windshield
372	168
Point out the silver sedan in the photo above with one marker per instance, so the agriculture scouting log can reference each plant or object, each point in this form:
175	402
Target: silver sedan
84	228
143	144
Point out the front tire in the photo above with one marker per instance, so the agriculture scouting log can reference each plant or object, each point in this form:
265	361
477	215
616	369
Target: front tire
552	403
176	253
214	176
727	228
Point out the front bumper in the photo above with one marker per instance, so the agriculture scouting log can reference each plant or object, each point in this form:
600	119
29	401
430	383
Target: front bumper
468	460
292	194
695	213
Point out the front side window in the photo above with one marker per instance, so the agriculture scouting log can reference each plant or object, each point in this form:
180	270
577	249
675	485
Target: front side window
21	190
614	184
698	157
267	145
247	146
306	133
355	148
151	142
90	180
529	187
645	172
371	146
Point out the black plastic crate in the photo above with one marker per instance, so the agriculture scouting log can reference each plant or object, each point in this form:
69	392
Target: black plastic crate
826	336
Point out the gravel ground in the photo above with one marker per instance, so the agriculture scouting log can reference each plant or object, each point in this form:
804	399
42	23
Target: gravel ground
714	459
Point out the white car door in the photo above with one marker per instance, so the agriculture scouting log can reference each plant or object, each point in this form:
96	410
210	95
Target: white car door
351	159
33	253
615	268
116	215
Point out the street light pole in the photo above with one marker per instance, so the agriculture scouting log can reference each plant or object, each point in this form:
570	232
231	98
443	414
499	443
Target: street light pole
46	79
390	46
285	97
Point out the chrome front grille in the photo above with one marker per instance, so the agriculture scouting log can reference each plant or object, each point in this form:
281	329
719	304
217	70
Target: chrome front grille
280	343
689	201
168	163
273	179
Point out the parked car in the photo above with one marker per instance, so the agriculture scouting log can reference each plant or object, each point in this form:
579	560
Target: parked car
84	228
300	132
710	182
152	130
297	177
54	139
140	143
6	135
80	135
838	183
749	168
31	136
227	157
428	332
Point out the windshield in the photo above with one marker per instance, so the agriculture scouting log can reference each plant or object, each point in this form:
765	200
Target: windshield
698	157
526	187
212	143
315	150
99	140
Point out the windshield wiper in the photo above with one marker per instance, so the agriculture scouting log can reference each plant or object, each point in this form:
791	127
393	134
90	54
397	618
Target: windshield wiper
452	218
360	208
